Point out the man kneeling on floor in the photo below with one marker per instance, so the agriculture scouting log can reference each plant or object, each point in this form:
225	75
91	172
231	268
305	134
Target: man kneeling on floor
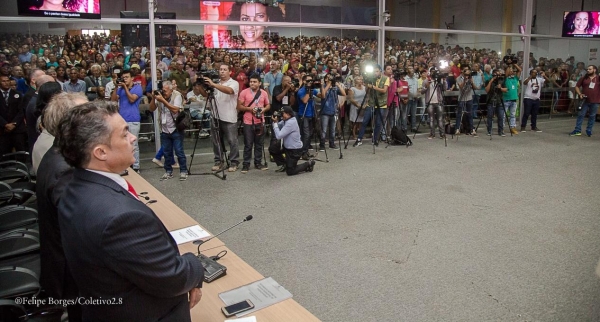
288	131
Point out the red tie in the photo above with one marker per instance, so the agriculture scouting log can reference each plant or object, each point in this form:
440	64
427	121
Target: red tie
131	190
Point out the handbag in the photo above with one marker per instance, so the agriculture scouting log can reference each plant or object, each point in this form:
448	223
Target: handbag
183	120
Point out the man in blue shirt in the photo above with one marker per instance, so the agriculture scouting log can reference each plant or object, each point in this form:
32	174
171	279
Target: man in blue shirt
288	131
129	96
306	112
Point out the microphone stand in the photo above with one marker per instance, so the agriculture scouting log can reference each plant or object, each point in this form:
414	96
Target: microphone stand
200	242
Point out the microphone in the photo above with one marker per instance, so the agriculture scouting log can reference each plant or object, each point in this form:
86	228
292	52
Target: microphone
200	242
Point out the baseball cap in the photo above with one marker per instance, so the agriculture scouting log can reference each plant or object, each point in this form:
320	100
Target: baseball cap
135	66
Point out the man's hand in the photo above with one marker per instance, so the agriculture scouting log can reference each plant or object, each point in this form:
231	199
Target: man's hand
9	127
209	81
194	295
274	118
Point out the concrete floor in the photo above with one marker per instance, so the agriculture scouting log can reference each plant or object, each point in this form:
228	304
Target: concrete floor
500	230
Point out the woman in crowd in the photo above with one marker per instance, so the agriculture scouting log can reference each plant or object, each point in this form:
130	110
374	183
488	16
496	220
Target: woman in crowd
356	96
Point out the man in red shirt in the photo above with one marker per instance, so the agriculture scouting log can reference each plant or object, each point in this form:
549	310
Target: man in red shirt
254	102
590	85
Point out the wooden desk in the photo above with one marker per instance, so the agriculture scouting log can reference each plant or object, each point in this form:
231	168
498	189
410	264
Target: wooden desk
238	272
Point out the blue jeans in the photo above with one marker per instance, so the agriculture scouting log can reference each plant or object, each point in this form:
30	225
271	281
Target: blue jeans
593	110
253	140
475	105
511	108
491	108
328	127
466	108
170	142
306	131
412	110
530	107
367	118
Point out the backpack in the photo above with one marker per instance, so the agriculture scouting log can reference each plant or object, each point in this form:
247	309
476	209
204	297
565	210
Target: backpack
449	128
399	137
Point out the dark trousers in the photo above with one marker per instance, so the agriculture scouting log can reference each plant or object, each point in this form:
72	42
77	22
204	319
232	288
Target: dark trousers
252	139
306	131
8	141
531	107
291	160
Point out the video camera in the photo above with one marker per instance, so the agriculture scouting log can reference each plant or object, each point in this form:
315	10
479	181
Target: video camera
296	83
159	88
436	74
313	84
399	74
212	74
500	78
119	74
510	59
335	78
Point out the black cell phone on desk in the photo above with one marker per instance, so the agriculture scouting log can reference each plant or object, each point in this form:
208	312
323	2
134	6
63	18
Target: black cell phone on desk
236	308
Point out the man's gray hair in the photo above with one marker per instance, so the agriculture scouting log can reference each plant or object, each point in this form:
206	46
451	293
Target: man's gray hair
58	107
84	127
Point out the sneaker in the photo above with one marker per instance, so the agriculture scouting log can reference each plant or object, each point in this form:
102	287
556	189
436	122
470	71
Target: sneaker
166	176
442	136
261	167
183	176
218	166
431	136
233	168
158	162
281	169
334	147
457	132
523	129
245	168
588	132
310	147
502	134
204	134
575	133
175	165
321	148
415	131
474	133
358	143
489	133
535	129
306	156
514	131
137	171
311	166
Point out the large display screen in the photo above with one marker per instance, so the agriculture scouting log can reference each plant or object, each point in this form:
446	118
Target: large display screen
240	37
87	9
581	24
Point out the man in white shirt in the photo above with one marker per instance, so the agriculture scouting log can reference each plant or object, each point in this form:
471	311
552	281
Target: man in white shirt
531	102
224	119
198	109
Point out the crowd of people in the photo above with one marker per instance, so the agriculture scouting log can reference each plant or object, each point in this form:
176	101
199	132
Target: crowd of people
322	79
74	102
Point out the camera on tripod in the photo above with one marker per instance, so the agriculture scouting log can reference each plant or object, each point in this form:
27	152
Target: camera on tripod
335	78
399	74
436	74
212	74
510	59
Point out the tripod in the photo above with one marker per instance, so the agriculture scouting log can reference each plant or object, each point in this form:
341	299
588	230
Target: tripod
468	85
437	87
393	109
497	96
360	107
376	113
214	115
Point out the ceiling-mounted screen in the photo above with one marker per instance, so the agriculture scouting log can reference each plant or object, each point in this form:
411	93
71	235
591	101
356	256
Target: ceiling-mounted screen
581	24
86	9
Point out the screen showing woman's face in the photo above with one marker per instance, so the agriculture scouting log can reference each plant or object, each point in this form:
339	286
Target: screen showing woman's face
581	21
253	12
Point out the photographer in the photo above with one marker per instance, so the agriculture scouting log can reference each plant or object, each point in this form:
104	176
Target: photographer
377	95
129	96
590	86
433	88
254	102
226	93
413	88
283	94
465	101
306	112
531	102
511	95
332	89
495	87
288	131
170	104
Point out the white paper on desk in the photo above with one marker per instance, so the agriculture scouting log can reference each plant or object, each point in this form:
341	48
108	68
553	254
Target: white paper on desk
248	319
263	293
189	234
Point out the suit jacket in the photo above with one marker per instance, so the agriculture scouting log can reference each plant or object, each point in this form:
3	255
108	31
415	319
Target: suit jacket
89	82
54	175
31	120
116	247
12	112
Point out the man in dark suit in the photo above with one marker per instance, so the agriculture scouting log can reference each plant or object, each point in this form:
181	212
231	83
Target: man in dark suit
54	174
12	125
114	244
94	82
